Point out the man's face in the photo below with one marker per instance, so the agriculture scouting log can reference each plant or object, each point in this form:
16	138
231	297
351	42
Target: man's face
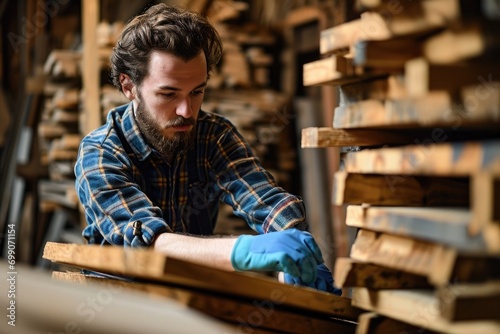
169	99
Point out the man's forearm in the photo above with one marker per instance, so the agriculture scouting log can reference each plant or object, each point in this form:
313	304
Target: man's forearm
210	251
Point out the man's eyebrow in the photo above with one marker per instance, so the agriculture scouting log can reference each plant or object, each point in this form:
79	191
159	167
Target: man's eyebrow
203	84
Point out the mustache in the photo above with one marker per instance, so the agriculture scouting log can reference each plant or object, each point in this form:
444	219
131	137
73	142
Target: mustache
180	121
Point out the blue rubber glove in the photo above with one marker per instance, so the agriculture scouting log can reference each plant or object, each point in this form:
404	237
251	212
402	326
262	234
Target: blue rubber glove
291	251
324	281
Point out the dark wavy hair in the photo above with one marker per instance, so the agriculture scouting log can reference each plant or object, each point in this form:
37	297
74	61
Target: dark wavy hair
179	32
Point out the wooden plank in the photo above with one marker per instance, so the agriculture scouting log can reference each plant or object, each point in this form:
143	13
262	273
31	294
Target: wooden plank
373	323
415	18
438	263
462	302
91	67
445	226
391	87
333	68
418	308
154	266
256	314
350	188
477	104
391	54
329	137
446	159
352	273
421	77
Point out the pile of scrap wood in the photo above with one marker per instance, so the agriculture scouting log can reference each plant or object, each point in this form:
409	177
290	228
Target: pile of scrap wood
420	100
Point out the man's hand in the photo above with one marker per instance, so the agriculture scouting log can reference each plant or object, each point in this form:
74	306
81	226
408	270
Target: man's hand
324	281
291	251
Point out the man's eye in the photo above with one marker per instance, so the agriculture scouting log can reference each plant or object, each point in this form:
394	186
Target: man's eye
197	92
168	95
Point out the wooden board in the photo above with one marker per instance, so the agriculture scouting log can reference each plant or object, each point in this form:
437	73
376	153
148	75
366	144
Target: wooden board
329	137
256	314
413	18
476	105
462	302
418	308
445	226
421	77
438	263
373	323
431	158
153	266
391	87
391	54
351	188
328	69
352	273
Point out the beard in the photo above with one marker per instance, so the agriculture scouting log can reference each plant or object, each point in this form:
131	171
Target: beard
152	131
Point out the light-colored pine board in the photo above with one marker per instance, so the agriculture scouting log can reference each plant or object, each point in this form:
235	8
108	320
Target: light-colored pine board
150	265
328	69
351	273
374	189
443	159
445	226
438	263
373	323
418	308
463	302
421	77
258	314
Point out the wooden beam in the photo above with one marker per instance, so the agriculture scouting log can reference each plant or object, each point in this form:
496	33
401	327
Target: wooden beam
329	137
351	188
351	273
373	323
445	226
462	302
153	266
438	263
437	109
391	87
91	67
417	308
421	77
428	158
255	314
391	54
333	68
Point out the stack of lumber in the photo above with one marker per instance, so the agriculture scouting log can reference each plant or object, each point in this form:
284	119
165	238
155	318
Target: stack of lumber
247	302
420	102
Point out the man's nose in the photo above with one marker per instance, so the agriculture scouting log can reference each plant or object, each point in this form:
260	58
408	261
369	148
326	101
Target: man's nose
184	108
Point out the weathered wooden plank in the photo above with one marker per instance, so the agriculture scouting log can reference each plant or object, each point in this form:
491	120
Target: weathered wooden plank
328	69
462	302
417	307
429	158
329	137
421	77
446	226
373	323
351	273
438	263
477	105
351	188
256	314
149	265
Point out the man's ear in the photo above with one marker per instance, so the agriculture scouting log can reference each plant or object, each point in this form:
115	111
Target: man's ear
128	86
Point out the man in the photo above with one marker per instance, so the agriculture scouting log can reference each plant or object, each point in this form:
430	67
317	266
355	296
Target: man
154	174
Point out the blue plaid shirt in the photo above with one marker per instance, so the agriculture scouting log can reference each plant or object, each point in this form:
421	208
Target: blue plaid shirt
121	179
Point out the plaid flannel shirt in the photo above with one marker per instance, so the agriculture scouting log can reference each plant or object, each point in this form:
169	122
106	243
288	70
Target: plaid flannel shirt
121	179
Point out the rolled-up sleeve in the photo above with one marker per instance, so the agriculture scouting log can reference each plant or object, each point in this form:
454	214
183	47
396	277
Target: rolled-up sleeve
251	190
